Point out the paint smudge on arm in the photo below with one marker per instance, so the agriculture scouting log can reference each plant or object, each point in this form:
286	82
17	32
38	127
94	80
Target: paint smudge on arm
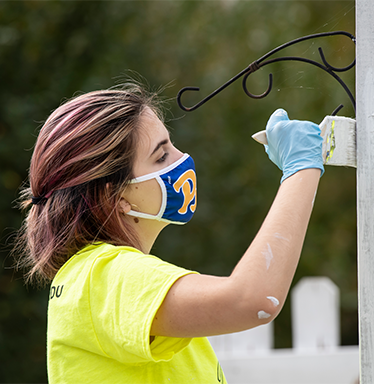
263	315
279	236
268	255
274	300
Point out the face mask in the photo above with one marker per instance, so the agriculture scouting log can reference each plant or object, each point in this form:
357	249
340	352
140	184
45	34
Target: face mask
178	186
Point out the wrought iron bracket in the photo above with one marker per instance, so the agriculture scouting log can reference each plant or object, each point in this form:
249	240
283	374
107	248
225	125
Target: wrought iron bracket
264	60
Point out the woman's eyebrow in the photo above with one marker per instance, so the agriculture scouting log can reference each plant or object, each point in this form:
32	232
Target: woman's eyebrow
159	145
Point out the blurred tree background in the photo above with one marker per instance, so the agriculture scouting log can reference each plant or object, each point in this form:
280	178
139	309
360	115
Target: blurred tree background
51	50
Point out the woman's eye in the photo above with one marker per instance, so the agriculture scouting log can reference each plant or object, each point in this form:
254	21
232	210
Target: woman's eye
163	158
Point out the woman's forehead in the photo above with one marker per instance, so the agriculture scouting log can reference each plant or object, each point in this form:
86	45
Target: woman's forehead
151	132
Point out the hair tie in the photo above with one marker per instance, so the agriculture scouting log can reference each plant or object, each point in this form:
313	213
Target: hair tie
38	200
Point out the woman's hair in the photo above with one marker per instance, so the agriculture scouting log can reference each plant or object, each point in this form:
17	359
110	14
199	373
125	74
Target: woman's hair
82	161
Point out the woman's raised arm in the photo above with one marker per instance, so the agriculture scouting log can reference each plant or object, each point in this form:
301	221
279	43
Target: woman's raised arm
202	305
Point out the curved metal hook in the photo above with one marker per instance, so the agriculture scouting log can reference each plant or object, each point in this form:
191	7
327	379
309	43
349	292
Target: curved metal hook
270	87
253	67
180	93
335	69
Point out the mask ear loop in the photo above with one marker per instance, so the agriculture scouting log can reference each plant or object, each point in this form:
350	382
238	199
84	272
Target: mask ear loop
157	217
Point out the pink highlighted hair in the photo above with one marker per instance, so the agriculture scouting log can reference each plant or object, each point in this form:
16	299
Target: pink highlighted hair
82	161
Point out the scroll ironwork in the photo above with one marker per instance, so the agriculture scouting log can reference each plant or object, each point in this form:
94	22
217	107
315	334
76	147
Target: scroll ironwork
264	60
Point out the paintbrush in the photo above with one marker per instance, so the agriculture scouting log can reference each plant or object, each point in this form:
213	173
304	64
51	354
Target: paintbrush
339	141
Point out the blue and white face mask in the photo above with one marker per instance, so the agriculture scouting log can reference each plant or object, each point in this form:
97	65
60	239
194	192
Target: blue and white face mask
178	186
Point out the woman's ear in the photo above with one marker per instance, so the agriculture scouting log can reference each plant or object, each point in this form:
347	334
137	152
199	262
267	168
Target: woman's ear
124	206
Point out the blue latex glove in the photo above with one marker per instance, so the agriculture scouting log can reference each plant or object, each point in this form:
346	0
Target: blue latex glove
293	145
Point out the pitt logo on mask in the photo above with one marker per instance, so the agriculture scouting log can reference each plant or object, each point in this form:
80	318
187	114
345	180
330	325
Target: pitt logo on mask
187	182
179	192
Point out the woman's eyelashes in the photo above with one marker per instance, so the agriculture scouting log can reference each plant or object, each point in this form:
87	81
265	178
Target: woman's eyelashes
163	158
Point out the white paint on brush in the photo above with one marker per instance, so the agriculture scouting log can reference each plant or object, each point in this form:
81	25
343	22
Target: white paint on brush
263	315
274	300
268	255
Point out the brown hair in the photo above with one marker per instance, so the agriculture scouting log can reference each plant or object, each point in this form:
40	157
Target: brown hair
82	161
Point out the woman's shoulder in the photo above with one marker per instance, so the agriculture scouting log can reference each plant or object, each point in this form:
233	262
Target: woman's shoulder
101	249
107	261
93	254
114	261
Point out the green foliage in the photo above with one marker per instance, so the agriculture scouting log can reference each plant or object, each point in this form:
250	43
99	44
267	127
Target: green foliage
51	50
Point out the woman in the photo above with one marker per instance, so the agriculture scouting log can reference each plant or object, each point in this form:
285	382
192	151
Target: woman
105	179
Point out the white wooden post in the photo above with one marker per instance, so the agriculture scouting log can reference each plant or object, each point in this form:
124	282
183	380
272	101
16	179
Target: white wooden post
315	313
242	344
365	184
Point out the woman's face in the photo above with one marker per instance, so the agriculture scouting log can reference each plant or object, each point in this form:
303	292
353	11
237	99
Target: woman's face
154	152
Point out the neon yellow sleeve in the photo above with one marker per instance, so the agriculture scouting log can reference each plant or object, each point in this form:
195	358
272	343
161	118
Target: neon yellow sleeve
132	288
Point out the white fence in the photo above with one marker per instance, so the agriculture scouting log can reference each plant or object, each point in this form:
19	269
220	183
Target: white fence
316	357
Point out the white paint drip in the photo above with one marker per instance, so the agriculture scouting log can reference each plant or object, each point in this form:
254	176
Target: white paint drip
274	300
268	255
263	315
279	236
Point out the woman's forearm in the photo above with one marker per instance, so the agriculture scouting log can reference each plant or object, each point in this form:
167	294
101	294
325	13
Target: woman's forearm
269	264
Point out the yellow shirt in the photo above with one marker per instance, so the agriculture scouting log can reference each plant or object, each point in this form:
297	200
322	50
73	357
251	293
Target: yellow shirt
101	307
